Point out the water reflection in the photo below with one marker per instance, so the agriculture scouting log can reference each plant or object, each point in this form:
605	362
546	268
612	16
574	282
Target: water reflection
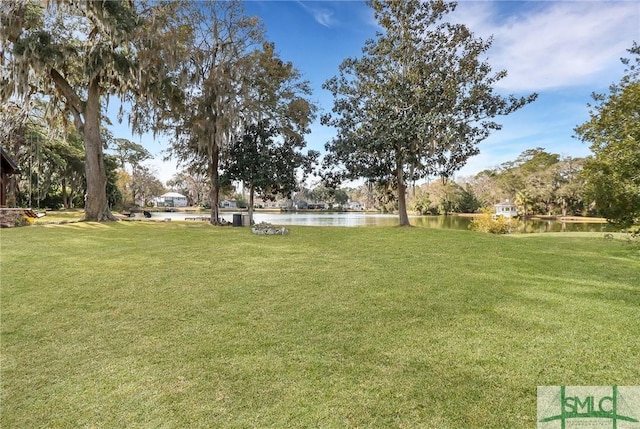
352	219
328	219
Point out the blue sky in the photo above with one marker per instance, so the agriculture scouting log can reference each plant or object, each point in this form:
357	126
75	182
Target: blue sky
564	51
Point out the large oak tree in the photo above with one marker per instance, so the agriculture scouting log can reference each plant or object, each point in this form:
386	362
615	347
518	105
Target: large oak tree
77	54
417	103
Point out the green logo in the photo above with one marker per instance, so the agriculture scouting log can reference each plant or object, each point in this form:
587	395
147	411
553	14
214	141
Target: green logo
567	407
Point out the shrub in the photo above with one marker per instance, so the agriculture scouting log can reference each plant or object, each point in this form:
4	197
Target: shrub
487	222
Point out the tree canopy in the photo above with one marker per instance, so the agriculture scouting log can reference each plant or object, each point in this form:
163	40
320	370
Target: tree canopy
239	96
77	54
218	85
613	173
268	163
417	102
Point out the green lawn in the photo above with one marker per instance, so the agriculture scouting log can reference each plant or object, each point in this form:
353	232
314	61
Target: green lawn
184	325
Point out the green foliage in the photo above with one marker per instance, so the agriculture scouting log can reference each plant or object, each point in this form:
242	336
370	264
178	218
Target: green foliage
417	103
487	222
195	187
114	196
468	202
241	201
220	69
238	98
341	197
540	182
21	220
422	204
129	153
51	157
327	194
524	201
444	196
77	54
268	167
613	130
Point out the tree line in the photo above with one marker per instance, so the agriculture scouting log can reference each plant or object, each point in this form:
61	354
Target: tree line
415	105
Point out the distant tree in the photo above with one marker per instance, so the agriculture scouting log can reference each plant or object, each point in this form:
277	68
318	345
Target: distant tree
365	195
340	197
132	155
146	186
485	187
534	174
468	202
570	193
194	187
421	203
114	197
612	178
417	103
445	197
129	153
123	182
537	169
70	173
524	201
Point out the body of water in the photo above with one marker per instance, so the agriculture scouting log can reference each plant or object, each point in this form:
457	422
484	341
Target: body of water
351	219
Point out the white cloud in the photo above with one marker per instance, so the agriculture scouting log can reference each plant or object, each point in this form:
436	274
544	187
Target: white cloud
554	44
322	16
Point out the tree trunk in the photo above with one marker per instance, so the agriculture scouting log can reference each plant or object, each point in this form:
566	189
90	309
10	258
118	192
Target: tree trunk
402	196
65	197
251	194
215	187
96	206
12	189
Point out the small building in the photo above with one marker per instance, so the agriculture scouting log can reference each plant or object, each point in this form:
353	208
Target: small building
506	209
228	204
355	206
300	205
8	167
170	199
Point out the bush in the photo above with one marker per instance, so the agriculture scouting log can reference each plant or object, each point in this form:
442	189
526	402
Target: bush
487	222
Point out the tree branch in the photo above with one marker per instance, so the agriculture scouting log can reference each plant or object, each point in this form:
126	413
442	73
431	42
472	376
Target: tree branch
76	105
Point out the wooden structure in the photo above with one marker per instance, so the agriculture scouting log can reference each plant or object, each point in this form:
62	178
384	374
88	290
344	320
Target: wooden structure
8	167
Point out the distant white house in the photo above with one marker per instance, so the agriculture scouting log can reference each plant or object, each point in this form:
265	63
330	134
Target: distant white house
170	199
228	204
355	205
506	209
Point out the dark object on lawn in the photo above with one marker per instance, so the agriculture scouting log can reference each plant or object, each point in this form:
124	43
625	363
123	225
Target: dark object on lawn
237	219
146	214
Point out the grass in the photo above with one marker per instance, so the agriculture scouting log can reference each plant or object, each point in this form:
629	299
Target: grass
174	325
